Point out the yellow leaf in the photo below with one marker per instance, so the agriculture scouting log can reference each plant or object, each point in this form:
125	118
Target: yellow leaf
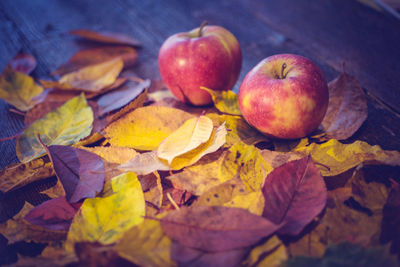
64	126
335	158
225	101
271	253
105	220
239	130
189	136
19	89
216	140
18	229
247	160
146	245
160	95
20	174
146	127
92	78
144	163
112	154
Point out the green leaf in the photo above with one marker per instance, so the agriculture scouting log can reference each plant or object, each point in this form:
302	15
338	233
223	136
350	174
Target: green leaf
105	220
64	126
19	89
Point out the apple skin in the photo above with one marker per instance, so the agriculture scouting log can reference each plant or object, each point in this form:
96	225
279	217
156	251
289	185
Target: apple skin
187	61
287	106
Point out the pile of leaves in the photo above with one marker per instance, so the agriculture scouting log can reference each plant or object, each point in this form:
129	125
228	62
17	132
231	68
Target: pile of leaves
115	171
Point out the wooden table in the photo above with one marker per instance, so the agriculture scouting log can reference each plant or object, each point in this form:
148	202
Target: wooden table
330	32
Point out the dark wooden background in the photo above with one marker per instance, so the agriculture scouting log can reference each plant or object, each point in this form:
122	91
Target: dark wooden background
330	32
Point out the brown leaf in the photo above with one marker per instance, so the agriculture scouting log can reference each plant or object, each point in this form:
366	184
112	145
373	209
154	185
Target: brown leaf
294	194
216	229
98	55
23	62
347	108
106	37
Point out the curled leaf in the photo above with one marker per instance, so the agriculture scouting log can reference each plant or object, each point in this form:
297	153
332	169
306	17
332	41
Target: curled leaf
63	126
225	101
146	127
144	163
347	108
19	89
92	78
294	194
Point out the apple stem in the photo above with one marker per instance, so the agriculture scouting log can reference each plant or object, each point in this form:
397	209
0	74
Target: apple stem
203	24
282	70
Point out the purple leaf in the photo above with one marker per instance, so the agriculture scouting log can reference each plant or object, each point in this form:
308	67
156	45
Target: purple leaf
81	172
54	214
294	194
24	63
215	229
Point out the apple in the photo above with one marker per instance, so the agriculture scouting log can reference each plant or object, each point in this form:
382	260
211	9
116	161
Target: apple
208	56
284	96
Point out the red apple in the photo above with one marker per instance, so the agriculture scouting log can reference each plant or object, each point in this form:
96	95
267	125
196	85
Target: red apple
207	56
284	96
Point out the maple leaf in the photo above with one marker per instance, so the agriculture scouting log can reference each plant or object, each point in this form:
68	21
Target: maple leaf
19	89
294	194
64	126
105	37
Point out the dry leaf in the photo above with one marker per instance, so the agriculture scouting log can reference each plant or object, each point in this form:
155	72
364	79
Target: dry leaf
190	135
334	157
105	220
294	194
24	63
106	37
64	126
160	95
146	127
239	130
347	109
216	229
225	101
276	159
144	163
84	58
146	245
19	89
112	154
271	253
92	78
20	174
119	98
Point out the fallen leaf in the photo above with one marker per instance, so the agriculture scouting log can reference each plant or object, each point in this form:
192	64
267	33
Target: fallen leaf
347	255
160	95
144	163
391	220
19	89
23	62
239	130
54	214
185	256
20	174
63	126
146	245
276	159
154	194
271	253
225	101
84	58
41	109
18	229
217	140
105	220
294	194
216	229
112	154
190	135
81	172
119	98
92	78
105	37
146	127
347	108
334	157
